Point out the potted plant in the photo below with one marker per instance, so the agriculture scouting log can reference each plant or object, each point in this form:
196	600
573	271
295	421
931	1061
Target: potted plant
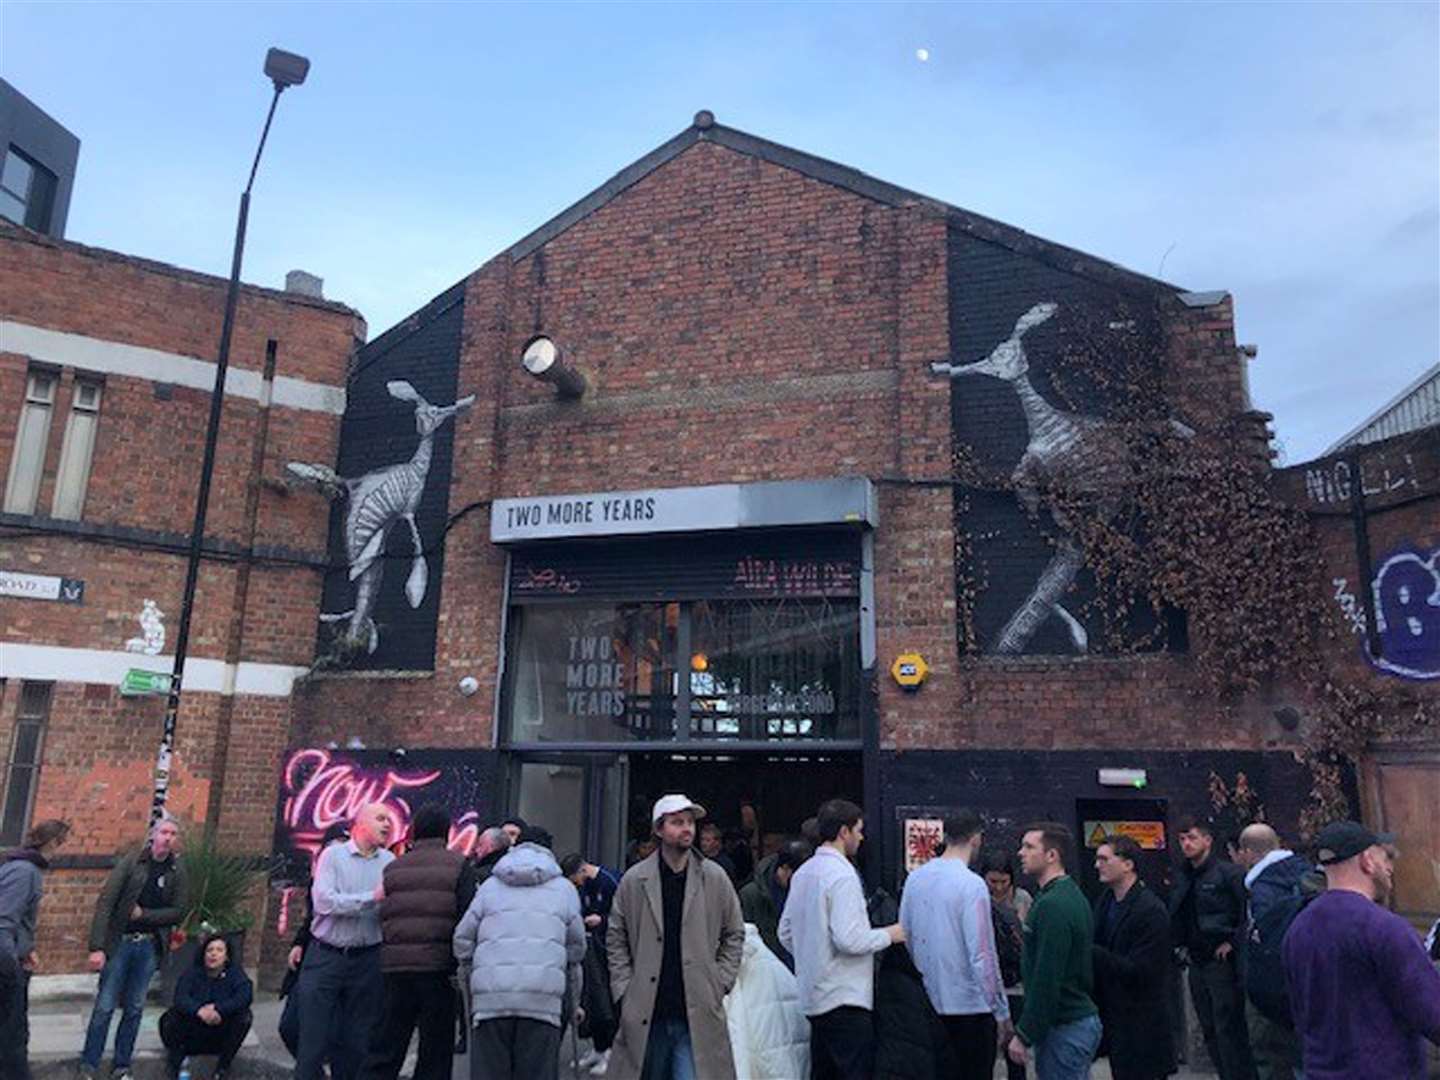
220	885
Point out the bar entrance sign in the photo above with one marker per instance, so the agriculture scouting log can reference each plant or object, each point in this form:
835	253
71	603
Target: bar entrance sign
138	683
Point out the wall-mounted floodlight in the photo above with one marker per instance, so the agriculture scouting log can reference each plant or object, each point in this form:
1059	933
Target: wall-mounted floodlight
541	358
285	68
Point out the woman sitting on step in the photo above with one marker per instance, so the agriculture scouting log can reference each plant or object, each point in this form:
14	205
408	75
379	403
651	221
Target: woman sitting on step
211	1014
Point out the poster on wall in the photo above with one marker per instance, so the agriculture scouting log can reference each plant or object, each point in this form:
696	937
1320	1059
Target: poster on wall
320	787
920	840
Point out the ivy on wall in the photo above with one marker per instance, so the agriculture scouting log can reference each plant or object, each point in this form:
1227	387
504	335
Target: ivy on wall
1187	519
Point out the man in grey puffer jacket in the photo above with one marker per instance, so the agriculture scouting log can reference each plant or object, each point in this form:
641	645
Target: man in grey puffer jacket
525	926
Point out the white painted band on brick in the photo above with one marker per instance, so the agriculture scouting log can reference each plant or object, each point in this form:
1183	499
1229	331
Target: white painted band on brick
58	663
113	358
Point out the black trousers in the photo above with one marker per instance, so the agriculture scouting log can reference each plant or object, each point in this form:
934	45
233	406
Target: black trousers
185	1034
973	1040
340	997
842	1044
514	1048
1017	1006
415	999
1220	1007
14	1021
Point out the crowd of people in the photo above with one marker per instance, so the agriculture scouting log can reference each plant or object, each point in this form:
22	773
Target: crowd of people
701	961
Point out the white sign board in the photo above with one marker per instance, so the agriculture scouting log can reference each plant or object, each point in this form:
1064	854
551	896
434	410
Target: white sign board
41	587
616	513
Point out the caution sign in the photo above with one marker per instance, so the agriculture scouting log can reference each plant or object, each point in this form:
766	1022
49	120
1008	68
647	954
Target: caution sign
909	670
1150	835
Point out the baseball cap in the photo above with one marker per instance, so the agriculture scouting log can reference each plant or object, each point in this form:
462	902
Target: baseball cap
1341	840
673	804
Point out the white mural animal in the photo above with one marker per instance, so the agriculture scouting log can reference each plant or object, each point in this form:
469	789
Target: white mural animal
1080	455
151	641
379	500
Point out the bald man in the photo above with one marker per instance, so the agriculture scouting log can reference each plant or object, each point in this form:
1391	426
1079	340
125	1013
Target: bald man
340	981
1275	880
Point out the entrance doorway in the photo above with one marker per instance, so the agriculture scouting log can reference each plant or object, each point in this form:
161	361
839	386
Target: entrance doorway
599	804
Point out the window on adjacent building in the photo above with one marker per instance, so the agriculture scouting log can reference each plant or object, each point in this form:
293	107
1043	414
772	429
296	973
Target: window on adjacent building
27	191
23	774
27	461
79	446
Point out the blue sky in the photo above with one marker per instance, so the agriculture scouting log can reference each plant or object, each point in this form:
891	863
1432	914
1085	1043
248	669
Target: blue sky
1287	152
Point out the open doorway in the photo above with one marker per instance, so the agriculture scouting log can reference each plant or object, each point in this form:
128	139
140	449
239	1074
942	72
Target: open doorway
777	791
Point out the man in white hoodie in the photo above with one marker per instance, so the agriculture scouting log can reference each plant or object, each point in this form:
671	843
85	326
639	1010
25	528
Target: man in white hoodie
525	923
826	928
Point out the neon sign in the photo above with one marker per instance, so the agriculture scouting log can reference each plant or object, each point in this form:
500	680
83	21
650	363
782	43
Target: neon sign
321	790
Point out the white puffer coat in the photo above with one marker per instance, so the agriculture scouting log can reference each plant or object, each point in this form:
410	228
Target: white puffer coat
525	935
769	1034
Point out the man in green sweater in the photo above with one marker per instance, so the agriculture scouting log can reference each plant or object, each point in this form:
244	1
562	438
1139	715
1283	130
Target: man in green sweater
1060	1022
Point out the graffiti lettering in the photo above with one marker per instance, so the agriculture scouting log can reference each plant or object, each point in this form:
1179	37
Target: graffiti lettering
548	580
1349	605
1407	614
794	578
1330	484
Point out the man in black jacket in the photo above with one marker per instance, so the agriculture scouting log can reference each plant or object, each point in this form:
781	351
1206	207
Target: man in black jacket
426	891
1207	916
1132	957
144	896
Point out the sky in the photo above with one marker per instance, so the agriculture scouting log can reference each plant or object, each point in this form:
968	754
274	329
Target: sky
1288	153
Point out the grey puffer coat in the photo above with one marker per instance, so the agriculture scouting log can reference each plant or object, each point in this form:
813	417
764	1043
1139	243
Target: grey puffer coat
526	939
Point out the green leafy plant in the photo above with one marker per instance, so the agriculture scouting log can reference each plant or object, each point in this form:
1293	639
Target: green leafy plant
220	886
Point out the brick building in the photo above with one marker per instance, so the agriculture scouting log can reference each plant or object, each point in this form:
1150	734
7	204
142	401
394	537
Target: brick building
1375	507
105	397
696	575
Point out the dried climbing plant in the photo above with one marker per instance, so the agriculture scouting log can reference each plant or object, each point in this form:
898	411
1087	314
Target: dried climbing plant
1199	528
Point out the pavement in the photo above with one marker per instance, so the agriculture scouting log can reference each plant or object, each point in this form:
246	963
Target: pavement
57	1031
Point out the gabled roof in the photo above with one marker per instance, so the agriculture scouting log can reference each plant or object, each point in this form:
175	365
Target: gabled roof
705	129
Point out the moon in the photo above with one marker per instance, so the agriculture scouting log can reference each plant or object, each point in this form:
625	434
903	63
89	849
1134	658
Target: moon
922	55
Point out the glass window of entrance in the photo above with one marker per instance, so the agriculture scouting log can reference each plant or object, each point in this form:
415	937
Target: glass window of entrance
775	669
592	672
762	669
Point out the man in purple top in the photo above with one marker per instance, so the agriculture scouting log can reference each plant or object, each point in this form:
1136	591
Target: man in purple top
1363	993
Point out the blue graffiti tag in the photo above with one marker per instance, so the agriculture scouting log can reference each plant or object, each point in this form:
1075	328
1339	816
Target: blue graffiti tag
1407	614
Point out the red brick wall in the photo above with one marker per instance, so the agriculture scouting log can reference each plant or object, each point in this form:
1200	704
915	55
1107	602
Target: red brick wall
99	748
737	321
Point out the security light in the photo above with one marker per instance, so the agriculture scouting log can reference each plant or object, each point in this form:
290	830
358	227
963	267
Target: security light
285	68
541	358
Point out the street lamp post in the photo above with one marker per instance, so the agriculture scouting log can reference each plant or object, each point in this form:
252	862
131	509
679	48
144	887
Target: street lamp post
284	70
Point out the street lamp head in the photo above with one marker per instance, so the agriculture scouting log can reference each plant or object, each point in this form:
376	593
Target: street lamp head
285	68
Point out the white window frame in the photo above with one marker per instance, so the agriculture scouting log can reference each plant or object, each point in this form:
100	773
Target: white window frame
72	478
32	436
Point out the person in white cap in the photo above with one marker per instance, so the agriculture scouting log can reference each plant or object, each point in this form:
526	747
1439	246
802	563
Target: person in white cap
675	942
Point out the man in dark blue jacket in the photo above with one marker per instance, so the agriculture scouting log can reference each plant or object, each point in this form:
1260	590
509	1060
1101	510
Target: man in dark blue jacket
211	1014
1276	880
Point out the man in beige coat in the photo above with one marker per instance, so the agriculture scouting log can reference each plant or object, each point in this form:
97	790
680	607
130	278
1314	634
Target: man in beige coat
675	942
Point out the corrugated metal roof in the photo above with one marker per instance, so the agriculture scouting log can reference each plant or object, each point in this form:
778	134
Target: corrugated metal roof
1415	407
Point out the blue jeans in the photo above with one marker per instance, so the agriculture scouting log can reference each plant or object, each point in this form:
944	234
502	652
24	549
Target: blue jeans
1067	1051
123	982
668	1053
